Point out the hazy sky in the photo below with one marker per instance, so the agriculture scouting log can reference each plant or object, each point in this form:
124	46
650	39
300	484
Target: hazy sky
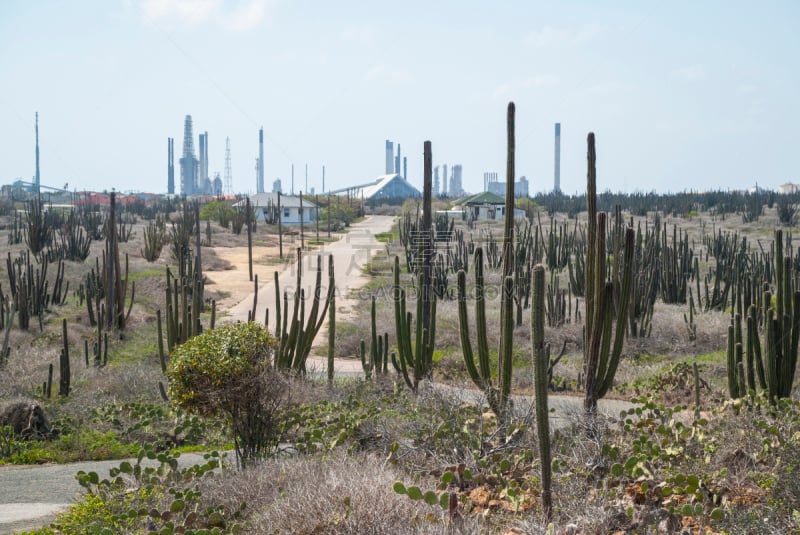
680	94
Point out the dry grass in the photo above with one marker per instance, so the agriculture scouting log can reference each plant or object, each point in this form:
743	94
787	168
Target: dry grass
329	494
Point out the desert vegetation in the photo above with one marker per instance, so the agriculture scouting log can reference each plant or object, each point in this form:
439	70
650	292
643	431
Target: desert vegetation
673	321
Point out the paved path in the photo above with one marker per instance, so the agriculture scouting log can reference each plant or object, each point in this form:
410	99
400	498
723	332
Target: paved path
32	495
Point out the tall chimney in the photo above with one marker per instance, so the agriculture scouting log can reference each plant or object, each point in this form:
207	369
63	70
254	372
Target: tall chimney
36	178
557	171
444	180
170	166
202	173
436	181
389	157
397	161
260	177
405	168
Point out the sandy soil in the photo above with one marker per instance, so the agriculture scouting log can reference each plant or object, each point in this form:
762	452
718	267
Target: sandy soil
350	253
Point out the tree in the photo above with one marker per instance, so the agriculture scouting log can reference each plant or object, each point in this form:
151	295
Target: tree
227	372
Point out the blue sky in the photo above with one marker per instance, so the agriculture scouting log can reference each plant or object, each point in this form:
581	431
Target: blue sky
681	95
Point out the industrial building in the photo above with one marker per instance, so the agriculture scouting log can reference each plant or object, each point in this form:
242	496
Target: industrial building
386	187
452	187
491	184
195	174
188	161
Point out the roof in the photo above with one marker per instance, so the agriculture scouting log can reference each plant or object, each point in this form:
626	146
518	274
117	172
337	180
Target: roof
374	188
381	182
271	198
485	197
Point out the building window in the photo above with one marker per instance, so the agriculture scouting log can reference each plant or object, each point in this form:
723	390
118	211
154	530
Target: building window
285	212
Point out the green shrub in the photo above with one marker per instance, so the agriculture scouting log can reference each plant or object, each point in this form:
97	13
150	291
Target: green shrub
226	371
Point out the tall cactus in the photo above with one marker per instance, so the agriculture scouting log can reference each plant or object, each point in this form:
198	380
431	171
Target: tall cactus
601	357
417	359
331	326
497	395
541	362
64	371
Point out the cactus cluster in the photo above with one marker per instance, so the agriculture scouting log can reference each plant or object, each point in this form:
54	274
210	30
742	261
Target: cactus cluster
606	300
773	335
376	361
413	362
155	237
296	334
32	293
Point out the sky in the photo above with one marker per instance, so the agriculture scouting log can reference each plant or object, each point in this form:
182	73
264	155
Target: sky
681	95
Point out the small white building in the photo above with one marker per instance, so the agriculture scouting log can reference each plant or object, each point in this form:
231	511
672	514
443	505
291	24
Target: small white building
265	206
485	205
789	188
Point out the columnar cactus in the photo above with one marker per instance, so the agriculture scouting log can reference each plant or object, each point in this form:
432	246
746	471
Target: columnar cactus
64	370
497	395
331	325
419	359
601	357
541	362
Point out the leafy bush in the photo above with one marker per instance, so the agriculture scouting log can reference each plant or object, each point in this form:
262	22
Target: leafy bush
220	211
226	371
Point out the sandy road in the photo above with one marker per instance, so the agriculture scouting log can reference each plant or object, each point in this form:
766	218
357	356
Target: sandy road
350	254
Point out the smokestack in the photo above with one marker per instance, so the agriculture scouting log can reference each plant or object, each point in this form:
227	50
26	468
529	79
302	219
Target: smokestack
36	180
170	166
557	171
436	181
397	161
202	173
405	168
389	156
444	180
260	178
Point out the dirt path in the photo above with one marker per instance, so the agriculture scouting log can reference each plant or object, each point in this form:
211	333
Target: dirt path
350	254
